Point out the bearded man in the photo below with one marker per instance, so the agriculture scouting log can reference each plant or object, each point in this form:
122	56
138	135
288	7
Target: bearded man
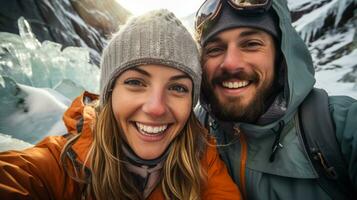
257	72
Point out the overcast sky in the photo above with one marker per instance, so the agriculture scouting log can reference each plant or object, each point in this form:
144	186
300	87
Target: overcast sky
181	8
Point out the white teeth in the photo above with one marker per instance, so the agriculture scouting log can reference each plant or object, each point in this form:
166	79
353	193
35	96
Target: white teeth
151	129
235	84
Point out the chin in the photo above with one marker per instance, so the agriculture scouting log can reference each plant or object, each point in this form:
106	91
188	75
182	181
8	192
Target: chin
147	155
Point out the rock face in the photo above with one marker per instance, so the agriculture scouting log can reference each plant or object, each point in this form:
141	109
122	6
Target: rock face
105	15
82	23
329	29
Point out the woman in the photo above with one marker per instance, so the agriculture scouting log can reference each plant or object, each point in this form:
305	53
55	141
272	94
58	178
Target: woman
140	140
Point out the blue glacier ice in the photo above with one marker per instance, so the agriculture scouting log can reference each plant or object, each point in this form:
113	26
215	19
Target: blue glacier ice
38	81
46	64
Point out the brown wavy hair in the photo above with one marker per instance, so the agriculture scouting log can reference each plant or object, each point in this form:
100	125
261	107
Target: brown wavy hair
182	176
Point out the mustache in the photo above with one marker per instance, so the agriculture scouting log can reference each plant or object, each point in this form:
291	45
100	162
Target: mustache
241	75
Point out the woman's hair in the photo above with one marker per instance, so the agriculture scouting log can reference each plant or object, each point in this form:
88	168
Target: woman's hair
182	175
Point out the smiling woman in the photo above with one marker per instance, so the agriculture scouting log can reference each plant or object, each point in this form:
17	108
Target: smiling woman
139	139
152	104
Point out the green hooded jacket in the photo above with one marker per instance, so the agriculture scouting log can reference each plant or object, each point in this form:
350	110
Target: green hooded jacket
246	148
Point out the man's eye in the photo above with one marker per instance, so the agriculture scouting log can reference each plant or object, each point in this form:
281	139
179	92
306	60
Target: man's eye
251	44
133	82
179	89
214	51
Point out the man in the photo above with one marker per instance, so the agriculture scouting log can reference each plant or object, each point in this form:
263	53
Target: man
257	72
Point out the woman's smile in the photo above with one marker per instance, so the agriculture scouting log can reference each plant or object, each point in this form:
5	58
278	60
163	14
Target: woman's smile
151	104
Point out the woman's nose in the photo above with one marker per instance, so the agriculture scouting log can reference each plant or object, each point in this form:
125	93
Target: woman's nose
155	104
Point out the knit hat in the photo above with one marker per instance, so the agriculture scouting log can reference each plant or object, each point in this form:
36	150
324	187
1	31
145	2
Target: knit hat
156	37
230	18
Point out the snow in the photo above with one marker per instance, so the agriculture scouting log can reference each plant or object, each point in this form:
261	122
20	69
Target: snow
9	143
340	40
312	22
30	113
324	49
295	4
41	101
2	82
328	79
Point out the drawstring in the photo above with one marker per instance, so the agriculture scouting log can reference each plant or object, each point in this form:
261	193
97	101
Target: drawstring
276	145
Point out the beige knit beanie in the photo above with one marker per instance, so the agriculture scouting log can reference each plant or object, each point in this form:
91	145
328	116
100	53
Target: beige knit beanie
156	37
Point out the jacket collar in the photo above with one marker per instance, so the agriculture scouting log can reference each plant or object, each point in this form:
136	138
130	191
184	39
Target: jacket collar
80	118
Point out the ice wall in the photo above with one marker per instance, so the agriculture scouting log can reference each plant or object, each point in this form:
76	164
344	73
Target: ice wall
38	81
45	64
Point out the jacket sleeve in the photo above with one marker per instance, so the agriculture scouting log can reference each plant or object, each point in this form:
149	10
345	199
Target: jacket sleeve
219	184
29	174
344	112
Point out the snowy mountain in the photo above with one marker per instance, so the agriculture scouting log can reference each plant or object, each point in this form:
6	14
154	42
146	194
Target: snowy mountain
329	28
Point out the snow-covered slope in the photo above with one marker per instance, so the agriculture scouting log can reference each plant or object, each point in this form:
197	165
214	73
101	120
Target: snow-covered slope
30	113
329	28
9	143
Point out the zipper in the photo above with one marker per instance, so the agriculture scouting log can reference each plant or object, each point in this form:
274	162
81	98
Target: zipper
243	159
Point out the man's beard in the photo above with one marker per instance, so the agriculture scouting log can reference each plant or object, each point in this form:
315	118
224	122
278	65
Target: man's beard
232	109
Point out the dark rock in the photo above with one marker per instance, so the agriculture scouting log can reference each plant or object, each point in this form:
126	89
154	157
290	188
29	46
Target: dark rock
350	77
69	23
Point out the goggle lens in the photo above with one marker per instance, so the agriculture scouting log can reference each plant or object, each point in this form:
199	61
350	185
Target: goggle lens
247	4
206	11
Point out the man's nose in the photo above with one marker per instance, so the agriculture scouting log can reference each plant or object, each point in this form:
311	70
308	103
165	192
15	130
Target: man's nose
155	104
233	60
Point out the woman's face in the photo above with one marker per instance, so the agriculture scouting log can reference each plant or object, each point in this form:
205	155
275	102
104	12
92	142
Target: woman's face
151	104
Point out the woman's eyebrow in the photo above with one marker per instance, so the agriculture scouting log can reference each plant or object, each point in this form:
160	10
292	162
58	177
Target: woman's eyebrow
141	71
181	76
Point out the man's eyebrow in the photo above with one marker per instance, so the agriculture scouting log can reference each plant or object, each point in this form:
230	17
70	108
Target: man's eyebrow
249	33
215	39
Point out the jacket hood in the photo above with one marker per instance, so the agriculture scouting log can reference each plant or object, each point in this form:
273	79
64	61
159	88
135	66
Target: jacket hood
299	73
79	118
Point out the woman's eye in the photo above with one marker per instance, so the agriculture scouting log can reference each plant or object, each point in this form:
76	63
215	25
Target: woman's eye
133	82
179	88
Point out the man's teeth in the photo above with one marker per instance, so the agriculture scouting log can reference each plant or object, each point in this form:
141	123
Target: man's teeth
234	84
151	129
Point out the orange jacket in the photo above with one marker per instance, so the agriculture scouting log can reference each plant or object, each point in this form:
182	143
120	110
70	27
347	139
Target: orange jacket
36	173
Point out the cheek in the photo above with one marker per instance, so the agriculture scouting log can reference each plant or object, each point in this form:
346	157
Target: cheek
183	114
270	70
121	105
181	111
265	69
208	71
115	106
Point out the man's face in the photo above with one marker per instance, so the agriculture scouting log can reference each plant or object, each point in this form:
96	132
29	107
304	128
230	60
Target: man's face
238	73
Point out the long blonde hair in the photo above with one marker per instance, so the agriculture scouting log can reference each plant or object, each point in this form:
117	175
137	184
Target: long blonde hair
182	174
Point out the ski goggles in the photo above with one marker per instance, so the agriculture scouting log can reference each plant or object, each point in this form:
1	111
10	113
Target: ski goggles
210	9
